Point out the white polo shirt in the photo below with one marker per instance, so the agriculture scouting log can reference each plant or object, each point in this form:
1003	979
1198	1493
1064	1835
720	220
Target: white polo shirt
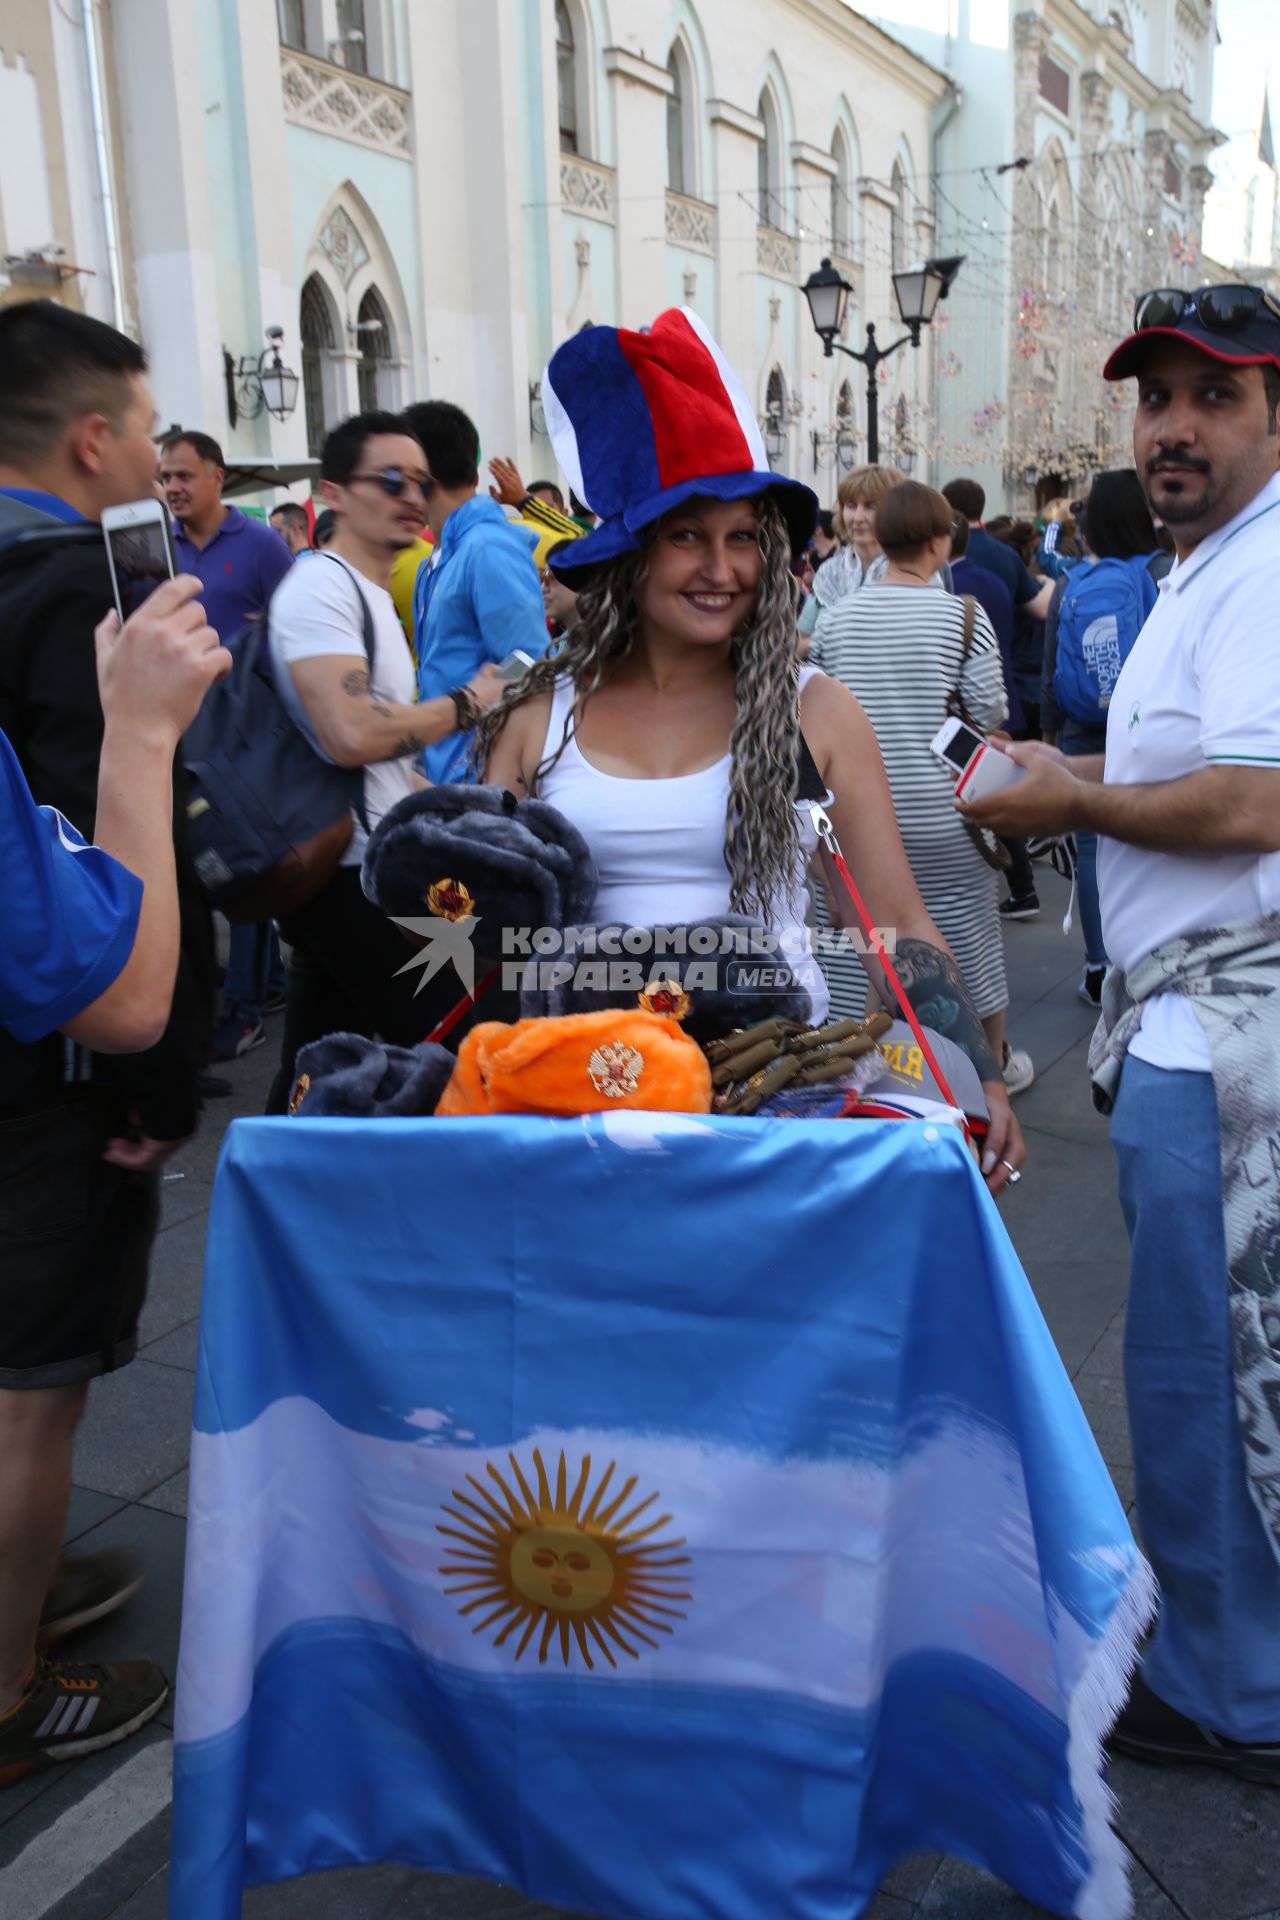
1200	688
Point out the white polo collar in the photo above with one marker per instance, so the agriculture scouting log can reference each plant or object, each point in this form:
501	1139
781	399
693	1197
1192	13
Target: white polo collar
1265	501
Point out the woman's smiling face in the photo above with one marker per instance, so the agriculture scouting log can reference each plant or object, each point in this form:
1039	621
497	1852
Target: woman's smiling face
704	571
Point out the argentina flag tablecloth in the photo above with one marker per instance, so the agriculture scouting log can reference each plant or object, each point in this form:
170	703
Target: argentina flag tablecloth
677	1518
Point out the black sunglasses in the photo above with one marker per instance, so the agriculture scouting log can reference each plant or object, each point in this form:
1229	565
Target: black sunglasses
393	482
1227	309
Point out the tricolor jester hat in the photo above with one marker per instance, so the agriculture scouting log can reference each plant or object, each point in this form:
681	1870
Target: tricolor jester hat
642	422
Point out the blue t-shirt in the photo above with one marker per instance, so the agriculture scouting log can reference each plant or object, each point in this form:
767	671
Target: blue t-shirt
70	913
239	569
477	600
1005	562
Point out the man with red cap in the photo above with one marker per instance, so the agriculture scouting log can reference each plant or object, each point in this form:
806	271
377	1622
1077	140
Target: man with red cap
1187	1054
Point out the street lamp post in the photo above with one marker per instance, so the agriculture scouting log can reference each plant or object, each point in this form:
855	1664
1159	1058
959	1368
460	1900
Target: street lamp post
917	289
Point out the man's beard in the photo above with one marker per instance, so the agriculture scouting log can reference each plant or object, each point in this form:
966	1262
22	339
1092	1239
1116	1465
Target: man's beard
1177	510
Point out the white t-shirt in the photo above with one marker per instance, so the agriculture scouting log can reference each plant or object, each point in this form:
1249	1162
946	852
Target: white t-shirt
1201	687
314	611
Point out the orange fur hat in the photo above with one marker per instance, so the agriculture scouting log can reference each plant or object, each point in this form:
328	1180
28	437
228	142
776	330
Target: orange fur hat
580	1063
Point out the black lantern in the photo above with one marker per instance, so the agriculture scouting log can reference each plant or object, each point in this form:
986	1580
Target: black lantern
264	385
827	292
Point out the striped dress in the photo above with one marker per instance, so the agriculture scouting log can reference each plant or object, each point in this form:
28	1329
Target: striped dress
898	650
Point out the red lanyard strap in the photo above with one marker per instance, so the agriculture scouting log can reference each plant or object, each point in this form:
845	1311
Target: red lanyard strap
827	835
463	1006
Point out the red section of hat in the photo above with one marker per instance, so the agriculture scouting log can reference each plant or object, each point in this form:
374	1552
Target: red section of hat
695	429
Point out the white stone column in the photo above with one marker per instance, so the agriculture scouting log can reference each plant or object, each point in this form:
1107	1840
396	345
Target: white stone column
640	91
156	59
736	134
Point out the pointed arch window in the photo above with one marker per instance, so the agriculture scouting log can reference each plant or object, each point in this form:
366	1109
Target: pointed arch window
374	330
898	217
566	79
772	211
291	15
841	197
315	332
678	180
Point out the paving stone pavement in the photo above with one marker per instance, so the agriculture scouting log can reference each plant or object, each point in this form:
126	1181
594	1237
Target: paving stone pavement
88	1841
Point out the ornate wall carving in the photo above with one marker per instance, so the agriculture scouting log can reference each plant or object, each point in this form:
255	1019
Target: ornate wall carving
331	100
690	223
586	187
775	253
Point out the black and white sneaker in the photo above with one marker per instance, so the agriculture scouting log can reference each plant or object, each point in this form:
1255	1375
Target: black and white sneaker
85	1588
1149	1729
67	1711
1020	906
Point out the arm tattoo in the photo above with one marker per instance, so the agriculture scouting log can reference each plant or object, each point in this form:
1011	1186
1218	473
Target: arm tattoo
940	999
356	683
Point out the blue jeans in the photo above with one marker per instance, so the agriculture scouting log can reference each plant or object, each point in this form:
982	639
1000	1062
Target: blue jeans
1076	741
254	970
1215	1654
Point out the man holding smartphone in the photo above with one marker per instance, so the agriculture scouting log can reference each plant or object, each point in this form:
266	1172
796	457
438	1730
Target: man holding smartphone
82	1136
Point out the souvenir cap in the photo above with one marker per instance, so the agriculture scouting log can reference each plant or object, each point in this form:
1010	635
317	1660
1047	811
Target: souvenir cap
641	422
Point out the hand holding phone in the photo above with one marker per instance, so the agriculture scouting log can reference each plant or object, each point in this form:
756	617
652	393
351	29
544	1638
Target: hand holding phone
516	665
139	551
978	766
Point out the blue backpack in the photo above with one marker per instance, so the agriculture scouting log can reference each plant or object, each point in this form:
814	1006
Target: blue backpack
1103	610
268	818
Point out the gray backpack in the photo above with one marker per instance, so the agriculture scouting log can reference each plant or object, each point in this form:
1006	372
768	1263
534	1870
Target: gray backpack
268	818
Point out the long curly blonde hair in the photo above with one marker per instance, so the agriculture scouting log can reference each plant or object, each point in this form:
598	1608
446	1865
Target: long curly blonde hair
762	840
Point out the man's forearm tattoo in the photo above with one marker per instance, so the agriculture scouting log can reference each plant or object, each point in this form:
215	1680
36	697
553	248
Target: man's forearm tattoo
939	997
356	683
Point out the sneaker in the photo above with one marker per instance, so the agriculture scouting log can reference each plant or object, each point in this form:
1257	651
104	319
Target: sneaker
67	1711
1040	845
86	1587
1019	1072
1090	988
234	1039
275	1003
1022	906
1150	1730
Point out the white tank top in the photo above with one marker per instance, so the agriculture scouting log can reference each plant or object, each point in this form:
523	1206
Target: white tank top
658	845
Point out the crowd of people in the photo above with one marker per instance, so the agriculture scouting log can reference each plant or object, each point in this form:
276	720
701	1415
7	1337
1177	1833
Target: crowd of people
657	674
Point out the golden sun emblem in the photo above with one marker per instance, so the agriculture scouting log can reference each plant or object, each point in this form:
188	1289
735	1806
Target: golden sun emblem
615	1070
450	900
545	1561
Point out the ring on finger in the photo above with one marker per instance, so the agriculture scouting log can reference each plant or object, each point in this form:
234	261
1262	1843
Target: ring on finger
1014	1175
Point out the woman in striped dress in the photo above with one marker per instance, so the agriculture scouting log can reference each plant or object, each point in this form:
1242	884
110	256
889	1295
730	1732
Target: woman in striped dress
899	647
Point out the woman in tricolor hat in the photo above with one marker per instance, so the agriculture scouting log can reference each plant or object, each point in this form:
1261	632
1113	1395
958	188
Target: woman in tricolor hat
667	727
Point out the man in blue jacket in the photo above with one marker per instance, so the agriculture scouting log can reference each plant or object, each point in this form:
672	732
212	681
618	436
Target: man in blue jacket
478	598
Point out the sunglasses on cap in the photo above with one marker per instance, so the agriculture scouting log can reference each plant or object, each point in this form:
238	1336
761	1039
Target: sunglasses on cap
393	482
1227	309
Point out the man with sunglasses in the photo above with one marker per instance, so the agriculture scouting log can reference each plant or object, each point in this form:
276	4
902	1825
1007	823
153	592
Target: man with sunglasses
1187	1054
360	711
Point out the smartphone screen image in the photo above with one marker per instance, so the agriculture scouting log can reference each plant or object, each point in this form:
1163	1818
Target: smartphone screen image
141	557
962	746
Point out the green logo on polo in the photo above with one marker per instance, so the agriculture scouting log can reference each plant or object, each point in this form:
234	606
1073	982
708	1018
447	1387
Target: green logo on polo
1135	715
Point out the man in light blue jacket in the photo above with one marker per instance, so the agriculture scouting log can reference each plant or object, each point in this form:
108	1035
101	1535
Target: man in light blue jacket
477	599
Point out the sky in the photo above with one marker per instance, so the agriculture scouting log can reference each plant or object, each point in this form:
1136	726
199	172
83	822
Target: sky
1250	52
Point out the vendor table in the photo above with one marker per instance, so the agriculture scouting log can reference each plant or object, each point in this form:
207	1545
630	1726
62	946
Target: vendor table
675	1517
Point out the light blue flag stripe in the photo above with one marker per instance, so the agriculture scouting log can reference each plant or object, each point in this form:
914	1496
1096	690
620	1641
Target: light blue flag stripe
883	1602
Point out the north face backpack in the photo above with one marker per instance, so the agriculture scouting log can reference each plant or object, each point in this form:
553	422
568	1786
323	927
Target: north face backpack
1103	610
268	817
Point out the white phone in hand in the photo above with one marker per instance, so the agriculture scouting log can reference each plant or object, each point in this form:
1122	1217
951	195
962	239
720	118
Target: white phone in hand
980	766
139	551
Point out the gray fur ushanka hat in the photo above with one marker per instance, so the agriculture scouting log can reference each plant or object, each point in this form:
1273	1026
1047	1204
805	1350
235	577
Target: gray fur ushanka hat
464	850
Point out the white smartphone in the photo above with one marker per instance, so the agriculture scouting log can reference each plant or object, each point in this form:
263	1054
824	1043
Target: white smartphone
516	665
981	766
139	551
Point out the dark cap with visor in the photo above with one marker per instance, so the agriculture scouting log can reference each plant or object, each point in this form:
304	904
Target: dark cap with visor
1236	324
